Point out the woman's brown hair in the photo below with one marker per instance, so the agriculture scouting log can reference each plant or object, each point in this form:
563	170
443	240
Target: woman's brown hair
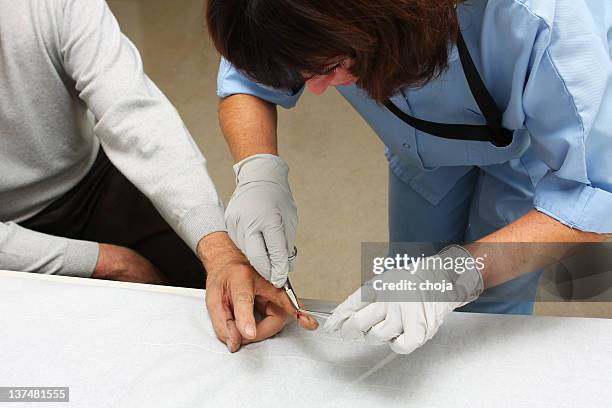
394	43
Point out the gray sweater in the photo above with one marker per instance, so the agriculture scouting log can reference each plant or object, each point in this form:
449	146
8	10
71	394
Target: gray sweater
70	82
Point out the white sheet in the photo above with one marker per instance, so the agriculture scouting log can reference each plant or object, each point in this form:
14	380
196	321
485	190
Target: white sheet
127	347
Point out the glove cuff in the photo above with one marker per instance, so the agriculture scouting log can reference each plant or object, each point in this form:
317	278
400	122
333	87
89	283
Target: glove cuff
468	284
262	167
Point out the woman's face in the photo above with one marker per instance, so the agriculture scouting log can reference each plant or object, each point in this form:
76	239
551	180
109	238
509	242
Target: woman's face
336	75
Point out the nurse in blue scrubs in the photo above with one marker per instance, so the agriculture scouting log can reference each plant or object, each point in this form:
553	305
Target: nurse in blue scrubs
501	131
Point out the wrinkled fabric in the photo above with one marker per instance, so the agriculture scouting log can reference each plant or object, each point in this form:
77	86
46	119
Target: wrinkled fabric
129	347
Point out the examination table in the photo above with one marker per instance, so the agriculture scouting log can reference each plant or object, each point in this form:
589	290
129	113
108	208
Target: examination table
129	345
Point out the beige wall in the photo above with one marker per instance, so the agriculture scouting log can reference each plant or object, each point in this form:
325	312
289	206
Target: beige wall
338	172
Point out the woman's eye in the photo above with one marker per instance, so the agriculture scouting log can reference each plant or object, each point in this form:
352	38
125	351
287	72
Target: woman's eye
332	69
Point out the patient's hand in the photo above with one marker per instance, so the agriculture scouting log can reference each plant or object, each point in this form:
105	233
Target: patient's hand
123	264
234	289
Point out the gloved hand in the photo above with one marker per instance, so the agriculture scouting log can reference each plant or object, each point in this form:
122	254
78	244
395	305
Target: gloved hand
261	217
407	319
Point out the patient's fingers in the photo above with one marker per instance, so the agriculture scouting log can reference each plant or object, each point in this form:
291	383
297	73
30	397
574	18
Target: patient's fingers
280	299
242	298
306	320
233	336
274	320
222	319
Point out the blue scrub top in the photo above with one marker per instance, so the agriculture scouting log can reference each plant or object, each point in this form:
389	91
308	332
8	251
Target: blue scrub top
548	65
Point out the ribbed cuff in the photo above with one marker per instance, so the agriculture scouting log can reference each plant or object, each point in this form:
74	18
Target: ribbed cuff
80	258
199	222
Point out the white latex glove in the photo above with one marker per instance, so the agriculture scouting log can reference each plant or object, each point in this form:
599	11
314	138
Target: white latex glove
261	217
405	320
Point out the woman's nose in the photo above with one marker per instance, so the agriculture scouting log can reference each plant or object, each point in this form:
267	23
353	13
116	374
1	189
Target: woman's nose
318	85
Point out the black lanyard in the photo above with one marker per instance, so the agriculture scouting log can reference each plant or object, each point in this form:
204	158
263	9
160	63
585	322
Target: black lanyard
492	132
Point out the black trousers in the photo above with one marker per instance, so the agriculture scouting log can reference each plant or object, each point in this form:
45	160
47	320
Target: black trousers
107	208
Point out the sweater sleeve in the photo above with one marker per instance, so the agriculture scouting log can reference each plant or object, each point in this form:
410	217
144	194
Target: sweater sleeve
24	250
139	129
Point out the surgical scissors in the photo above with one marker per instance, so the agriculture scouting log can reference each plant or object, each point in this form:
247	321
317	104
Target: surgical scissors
316	308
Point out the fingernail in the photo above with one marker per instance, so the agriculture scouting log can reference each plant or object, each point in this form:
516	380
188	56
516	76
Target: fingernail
231	339
232	345
249	329
309	320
